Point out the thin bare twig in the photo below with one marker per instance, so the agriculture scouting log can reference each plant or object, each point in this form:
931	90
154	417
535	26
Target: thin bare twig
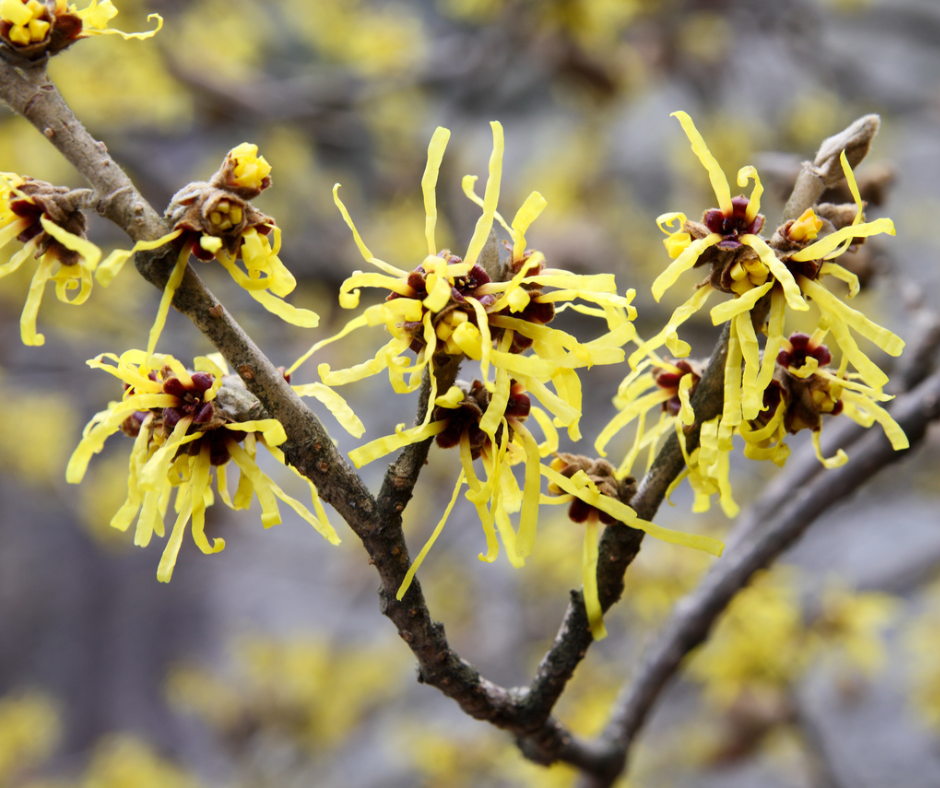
694	617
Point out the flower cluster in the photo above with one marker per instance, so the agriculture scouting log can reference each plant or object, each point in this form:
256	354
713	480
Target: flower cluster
34	29
802	391
214	220
185	423
784	386
495	312
49	222
480	308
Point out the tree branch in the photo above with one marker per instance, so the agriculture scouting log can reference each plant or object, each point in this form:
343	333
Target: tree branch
694	617
308	448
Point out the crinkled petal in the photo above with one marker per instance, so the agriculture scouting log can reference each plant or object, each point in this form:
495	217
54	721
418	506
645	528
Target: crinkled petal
715	174
380	447
172	283
528	212
829	244
490	197
840	459
626	515
336	404
682	263
37	285
436	150
669	335
90	253
592	603
114	262
736	306
296	316
416	564
890	343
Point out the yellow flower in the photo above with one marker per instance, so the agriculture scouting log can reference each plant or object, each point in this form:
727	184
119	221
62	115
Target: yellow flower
33	28
49	223
98	14
655	383
215	221
492	312
744	265
250	170
182	429
802	391
483	309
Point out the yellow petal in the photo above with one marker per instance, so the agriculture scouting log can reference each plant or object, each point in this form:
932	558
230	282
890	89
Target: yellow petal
172	283
890	343
826	246
715	174
272	431
336	404
753	207
626	515
490	197
891	428
114	262
775	339
528	212
303	318
528	520
839	460
744	303
752	398
168	559
592	604
37	285
429	183
90	253
380	447
682	263
836	270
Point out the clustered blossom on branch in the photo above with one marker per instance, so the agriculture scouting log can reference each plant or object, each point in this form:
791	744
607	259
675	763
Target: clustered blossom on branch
185	423
494	312
216	221
786	386
49	222
449	309
35	29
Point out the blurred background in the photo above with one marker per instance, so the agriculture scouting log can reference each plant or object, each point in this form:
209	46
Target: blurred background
269	664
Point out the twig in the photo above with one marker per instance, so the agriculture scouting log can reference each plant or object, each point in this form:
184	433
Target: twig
693	618
826	170
308	448
620	545
378	523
